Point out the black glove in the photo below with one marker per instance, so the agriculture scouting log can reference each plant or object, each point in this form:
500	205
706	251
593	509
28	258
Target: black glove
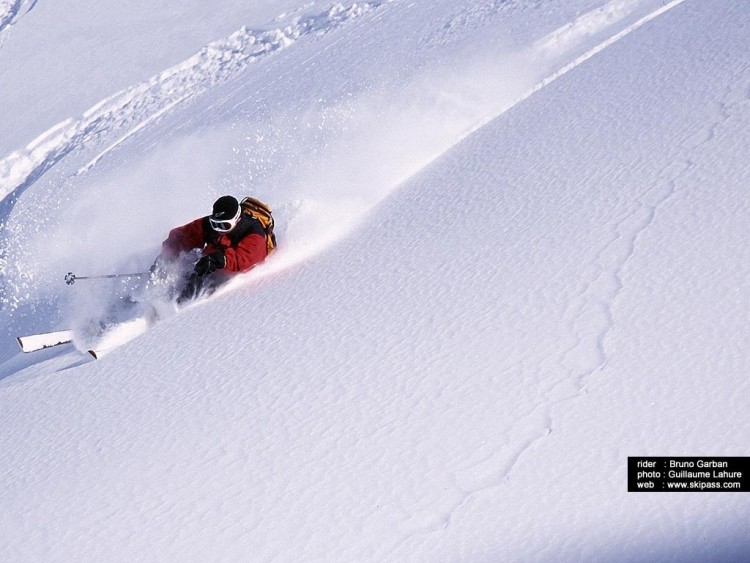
210	263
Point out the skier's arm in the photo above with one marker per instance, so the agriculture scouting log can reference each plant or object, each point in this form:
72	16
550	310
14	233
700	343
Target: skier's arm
250	251
184	238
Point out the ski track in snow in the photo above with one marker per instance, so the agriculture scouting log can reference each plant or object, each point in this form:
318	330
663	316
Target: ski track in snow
590	317
134	108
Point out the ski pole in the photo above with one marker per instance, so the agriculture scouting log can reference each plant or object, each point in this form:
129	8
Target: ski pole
71	278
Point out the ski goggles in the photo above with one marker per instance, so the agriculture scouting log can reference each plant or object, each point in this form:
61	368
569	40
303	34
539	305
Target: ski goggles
221	225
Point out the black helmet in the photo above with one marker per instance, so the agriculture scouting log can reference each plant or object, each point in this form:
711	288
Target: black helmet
226	214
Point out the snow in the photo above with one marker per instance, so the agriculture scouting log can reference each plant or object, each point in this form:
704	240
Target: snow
513	253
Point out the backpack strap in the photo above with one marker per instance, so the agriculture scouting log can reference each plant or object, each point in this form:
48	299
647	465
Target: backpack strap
247	225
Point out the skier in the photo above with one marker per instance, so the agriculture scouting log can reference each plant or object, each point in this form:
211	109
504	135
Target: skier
229	242
234	238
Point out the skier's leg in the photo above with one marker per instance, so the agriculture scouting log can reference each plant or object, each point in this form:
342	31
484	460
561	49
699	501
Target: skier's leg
201	286
191	289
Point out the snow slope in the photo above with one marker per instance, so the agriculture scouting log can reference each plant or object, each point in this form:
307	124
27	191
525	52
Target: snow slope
513	254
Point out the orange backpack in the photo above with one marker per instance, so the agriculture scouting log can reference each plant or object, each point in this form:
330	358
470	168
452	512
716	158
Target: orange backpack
256	208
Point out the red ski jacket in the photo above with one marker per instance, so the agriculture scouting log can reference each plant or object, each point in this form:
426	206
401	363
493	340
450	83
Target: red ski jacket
243	247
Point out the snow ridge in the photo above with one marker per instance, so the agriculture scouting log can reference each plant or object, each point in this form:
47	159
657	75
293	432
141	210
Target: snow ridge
137	106
8	11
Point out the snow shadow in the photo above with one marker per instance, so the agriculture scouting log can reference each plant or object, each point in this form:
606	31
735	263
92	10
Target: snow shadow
726	544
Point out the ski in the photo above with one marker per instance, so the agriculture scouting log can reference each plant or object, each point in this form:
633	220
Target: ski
35	342
121	333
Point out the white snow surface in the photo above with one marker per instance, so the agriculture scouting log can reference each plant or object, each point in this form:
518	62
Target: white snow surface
513	252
